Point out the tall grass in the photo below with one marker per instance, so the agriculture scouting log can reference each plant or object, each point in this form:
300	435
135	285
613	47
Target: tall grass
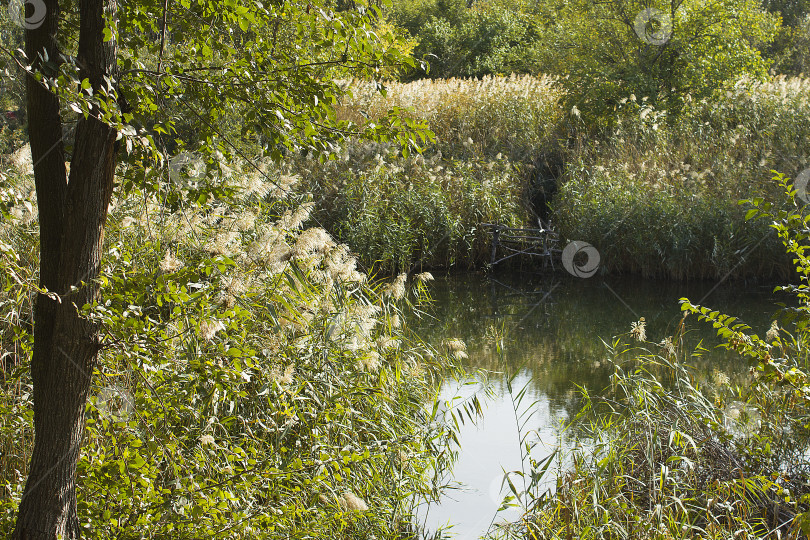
516	116
252	384
659	461
403	215
658	196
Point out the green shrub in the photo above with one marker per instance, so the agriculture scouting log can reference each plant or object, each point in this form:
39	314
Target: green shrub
790	50
597	48
461	40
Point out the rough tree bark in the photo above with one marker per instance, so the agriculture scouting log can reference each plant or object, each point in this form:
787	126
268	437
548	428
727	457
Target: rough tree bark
72	212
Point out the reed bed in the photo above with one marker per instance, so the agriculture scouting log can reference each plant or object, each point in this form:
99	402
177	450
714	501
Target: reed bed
657	194
658	197
404	215
515	116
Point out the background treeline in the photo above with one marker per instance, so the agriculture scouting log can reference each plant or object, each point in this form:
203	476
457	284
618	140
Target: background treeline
472	38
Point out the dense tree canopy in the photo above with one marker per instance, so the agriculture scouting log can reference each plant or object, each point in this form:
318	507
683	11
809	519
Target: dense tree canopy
598	48
665	52
460	41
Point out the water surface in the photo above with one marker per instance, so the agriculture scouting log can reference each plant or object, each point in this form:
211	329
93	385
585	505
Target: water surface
552	332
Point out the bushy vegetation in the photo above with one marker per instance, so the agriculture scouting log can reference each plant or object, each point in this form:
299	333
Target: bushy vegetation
671	457
252	383
693	48
645	148
463	39
790	50
659	197
403	213
656	194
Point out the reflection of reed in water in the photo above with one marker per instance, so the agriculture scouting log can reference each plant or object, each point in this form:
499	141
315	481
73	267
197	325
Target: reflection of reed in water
557	328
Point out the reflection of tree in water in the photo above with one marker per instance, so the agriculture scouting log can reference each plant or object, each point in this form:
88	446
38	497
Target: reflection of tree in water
554	326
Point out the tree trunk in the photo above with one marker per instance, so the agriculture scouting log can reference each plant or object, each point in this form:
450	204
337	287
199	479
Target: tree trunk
72	213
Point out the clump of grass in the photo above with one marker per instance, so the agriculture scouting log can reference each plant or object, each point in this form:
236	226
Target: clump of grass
666	232
402	214
659	196
668	456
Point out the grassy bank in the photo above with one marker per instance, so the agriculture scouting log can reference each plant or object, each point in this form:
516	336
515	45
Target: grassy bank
657	194
658	197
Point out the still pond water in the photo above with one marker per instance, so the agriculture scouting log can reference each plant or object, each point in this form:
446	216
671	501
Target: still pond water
552	329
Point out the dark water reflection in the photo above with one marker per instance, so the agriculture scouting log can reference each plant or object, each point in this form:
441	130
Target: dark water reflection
552	331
